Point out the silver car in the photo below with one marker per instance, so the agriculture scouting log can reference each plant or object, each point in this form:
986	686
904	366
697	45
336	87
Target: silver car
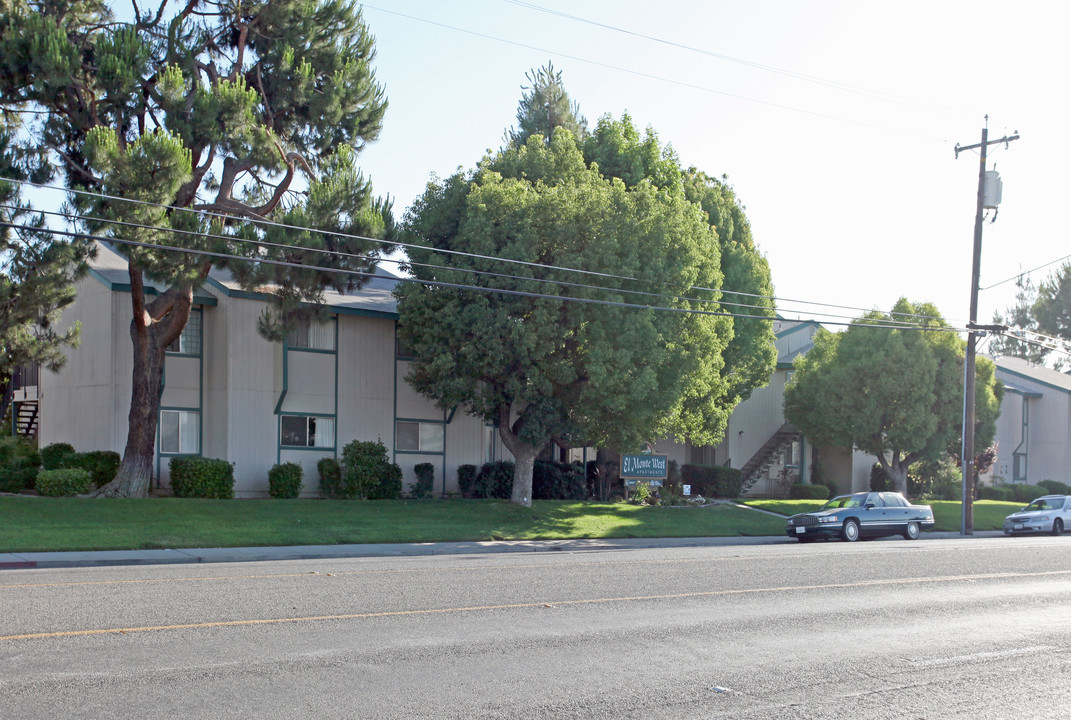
1048	514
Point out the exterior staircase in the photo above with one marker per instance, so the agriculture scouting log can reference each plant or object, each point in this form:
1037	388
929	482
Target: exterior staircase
26	418
24	402
769	454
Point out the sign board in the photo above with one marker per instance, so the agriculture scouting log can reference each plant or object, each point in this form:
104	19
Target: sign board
644	467
687	489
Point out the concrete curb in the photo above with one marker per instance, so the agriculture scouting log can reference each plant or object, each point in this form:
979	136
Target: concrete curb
105	558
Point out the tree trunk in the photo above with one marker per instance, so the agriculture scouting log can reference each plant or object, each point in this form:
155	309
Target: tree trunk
524	456
135	471
155	326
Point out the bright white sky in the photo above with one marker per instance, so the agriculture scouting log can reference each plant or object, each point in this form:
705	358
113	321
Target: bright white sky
854	199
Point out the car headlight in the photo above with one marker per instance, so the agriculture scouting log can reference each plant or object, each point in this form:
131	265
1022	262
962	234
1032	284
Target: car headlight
828	519
1042	518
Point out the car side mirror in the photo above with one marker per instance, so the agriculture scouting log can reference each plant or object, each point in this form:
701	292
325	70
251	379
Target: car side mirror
870	506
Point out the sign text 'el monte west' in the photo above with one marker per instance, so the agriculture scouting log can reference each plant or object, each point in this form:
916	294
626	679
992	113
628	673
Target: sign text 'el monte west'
644	466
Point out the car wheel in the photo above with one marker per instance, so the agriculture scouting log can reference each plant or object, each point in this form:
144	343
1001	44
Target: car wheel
850	531
911	532
1057	526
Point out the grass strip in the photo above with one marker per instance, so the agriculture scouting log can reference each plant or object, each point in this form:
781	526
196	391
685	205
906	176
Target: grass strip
36	524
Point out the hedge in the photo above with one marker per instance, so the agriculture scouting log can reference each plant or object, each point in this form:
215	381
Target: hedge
102	465
466	479
367	472
800	491
65	482
19	463
713	480
558	481
425	481
330	477
54	456
284	481
495	480
202	478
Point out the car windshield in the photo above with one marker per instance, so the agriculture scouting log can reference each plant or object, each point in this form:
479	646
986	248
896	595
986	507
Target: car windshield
846	501
1045	504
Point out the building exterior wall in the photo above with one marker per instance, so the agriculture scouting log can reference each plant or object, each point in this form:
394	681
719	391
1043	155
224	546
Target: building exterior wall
1035	419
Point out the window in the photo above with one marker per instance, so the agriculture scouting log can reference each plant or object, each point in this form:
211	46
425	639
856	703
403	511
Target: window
419	437
489	436
312	335
305	431
189	342
401	350
180	432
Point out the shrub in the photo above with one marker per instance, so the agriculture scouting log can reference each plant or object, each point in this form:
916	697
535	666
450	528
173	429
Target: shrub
1054	487
202	477
54	456
466	479
330	477
1026	493
996	492
799	491
425	482
879	480
495	480
102	465
64	482
367	472
284	481
558	481
19	462
713	480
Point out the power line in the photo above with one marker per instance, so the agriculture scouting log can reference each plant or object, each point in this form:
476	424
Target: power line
269	223
845	87
460	286
652	76
1026	272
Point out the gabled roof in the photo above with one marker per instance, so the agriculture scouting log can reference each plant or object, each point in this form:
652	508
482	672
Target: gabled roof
374	299
1013	371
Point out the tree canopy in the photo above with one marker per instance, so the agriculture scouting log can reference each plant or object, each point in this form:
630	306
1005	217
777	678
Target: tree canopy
214	117
537	360
36	275
890	390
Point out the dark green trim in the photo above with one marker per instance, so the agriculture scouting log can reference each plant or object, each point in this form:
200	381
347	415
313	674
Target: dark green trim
1033	379
804	324
149	290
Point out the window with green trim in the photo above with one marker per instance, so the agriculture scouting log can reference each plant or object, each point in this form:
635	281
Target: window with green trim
413	436
306	431
180	432
312	335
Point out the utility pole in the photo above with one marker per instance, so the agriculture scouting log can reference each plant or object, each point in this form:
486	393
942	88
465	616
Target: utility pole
967	520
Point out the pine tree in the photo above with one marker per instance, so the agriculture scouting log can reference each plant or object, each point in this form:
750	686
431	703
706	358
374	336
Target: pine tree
214	116
545	105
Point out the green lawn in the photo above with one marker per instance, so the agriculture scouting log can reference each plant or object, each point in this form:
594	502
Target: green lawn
947	514
29	524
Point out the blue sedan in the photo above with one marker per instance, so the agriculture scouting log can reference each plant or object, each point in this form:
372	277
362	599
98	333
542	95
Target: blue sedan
868	514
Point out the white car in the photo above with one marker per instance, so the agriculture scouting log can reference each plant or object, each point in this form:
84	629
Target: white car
1048	514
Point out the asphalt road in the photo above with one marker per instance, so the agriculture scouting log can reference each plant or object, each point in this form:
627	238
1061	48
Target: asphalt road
959	628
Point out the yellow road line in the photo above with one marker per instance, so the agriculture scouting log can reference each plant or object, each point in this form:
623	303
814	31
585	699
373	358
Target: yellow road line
516	606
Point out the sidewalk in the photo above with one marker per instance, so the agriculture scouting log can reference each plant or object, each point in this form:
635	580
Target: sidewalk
31	560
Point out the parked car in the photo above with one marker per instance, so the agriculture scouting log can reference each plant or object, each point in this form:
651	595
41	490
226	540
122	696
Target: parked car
867	514
1047	514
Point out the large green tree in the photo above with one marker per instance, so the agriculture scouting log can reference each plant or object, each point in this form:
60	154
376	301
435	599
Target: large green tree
892	391
534	359
618	150
36	274
1052	309
213	116
1021	316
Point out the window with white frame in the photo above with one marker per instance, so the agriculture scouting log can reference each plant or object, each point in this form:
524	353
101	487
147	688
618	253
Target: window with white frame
414	436
306	431
180	432
189	342
312	335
